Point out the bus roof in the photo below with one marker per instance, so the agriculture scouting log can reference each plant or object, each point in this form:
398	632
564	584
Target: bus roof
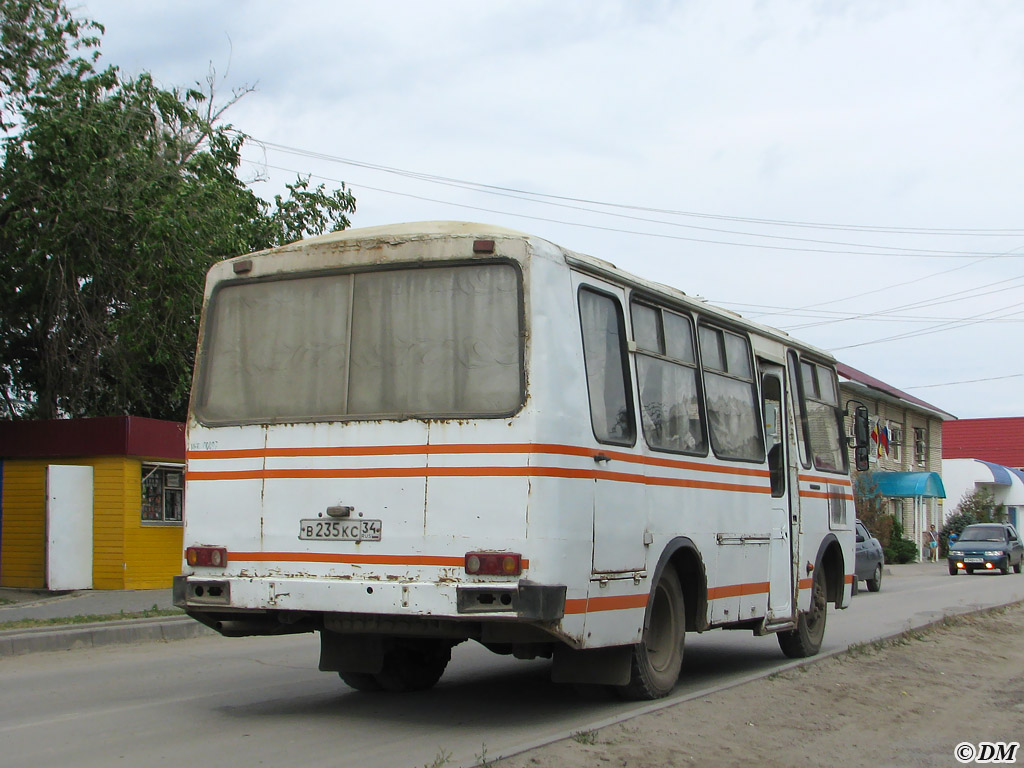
431	229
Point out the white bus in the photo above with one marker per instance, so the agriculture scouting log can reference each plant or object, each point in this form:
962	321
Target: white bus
407	437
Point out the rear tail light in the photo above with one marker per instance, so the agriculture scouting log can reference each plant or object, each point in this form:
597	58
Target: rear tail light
216	557
494	563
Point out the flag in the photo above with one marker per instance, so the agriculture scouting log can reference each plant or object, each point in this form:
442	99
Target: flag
883	440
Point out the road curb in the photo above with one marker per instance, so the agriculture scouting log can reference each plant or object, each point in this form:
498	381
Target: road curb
17	642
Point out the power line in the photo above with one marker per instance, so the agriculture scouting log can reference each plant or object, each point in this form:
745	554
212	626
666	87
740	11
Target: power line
449	181
838	314
936	329
923	304
893	251
968	381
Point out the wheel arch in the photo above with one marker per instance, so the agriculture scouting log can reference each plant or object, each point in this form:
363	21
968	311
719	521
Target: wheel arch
684	556
830	559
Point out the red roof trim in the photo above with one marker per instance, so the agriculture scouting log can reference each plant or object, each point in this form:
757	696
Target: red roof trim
870	381
107	436
999	440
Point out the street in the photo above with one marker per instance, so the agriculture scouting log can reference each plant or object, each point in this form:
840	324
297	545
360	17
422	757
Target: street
262	701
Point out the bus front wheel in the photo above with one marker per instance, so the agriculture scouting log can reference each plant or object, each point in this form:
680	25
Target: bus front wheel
806	639
656	661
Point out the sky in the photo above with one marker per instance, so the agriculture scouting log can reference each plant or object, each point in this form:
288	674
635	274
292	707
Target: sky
847	171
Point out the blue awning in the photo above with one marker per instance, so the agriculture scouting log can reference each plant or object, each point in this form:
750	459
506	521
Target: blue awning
909	485
1000	474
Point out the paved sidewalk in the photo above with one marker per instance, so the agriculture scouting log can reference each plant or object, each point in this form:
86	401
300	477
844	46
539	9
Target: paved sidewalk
40	604
18	604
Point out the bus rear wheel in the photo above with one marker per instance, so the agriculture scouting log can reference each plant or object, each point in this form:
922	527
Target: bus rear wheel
806	639
408	665
414	665
361	681
657	660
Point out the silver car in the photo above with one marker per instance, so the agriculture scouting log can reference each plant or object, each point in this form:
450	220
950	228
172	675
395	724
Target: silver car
869	560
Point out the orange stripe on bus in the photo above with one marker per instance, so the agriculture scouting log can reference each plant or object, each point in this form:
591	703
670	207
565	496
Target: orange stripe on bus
614	603
471	448
823	495
328	557
738	590
806	583
848	578
529	471
821	479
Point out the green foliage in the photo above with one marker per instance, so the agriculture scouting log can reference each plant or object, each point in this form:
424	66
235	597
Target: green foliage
116	196
981	504
899	549
442	758
37	41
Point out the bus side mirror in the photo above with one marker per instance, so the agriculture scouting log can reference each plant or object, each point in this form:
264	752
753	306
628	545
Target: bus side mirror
860	438
860	458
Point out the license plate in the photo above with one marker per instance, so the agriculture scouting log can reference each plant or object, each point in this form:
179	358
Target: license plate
339	530
974	559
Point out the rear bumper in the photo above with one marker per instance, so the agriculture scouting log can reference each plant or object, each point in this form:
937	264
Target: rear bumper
522	601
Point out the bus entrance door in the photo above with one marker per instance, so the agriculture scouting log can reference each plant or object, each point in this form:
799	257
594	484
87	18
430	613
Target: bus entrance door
776	429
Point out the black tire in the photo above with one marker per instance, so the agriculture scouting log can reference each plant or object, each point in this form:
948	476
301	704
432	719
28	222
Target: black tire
875	582
856	585
413	665
1017	567
806	639
1005	570
361	681
953	570
657	660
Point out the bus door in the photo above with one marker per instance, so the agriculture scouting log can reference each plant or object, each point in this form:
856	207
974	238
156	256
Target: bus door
783	515
620	508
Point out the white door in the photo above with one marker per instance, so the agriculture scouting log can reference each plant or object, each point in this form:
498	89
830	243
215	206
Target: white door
620	505
780	587
68	527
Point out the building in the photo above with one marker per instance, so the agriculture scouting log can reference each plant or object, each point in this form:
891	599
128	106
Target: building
1000	441
989	454
91	503
907	436
1006	484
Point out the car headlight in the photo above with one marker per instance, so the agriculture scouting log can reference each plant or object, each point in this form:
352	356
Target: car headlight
994	552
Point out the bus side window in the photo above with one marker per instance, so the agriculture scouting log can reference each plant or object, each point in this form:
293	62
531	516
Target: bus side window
604	355
734	414
796	390
666	369
823	440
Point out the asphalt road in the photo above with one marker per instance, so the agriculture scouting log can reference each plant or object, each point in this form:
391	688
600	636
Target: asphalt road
261	701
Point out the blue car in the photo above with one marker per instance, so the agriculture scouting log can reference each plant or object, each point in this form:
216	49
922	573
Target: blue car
986	547
869	560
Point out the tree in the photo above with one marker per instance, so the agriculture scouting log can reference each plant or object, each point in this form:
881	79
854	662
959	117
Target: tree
115	198
868	503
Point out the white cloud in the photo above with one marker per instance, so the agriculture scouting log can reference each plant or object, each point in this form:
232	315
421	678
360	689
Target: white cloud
902	114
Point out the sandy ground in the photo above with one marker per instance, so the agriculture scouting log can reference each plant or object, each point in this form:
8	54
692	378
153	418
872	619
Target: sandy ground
905	702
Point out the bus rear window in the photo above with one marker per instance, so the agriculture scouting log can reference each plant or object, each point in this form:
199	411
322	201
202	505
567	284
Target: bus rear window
425	342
